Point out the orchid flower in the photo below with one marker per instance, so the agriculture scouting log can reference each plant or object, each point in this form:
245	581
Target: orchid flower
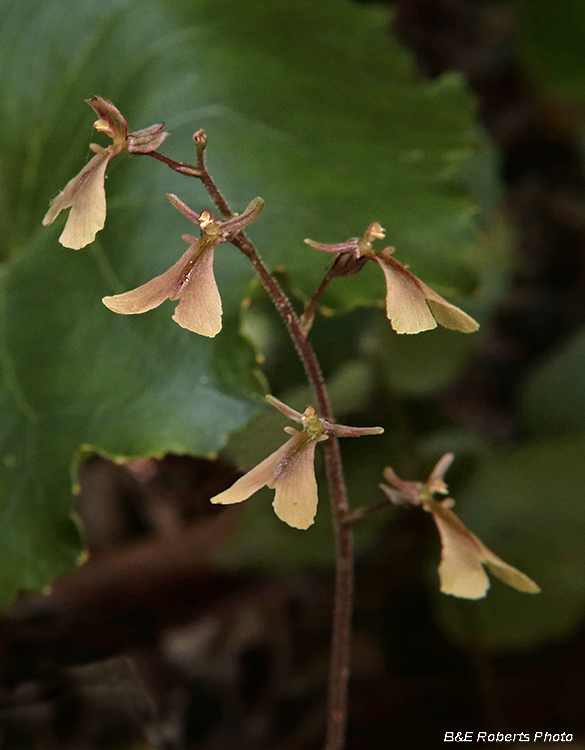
463	556
191	279
290	469
411	305
85	194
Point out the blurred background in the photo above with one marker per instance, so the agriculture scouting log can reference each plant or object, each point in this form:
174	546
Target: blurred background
138	615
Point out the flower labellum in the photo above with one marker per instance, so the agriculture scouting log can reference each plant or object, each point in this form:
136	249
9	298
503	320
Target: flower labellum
463	556
411	306
85	194
191	279
290	469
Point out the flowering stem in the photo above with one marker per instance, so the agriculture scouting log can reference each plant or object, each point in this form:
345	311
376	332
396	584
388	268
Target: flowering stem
344	574
178	166
365	512
200	140
306	320
339	669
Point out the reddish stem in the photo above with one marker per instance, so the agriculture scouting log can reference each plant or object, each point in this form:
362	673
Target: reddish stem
339	670
308	315
178	166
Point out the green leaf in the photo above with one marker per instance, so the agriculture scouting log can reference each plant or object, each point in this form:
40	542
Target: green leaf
418	365
312	106
75	375
554	399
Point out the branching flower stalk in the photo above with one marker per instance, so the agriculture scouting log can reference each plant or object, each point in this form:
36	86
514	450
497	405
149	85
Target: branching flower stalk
411	306
339	670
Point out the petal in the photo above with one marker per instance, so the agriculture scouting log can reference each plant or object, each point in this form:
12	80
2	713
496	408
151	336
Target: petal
293	414
448	315
461	571
406	305
260	475
156	291
343	430
248	215
147	140
193	216
104	109
85	194
200	307
508	574
413	306
406	487
436	481
296	498
349	246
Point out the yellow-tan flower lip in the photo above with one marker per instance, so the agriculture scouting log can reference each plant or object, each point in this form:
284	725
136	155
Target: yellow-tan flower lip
85	194
290	470
411	305
191	279
463	555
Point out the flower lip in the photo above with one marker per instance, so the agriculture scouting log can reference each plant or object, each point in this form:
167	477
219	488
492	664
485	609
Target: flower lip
463	555
191	278
290	472
85	193
411	306
85	196
290	469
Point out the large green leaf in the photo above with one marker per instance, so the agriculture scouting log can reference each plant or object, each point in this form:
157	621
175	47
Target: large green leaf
74	376
312	106
554	399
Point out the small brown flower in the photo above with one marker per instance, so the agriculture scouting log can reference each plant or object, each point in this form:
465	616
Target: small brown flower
411	305
191	279
85	194
463	556
290	469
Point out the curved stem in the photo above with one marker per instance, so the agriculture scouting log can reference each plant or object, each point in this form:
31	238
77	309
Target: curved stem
306	320
339	670
178	166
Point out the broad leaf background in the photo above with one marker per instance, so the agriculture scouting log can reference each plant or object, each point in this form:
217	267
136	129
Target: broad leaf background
312	106
316	108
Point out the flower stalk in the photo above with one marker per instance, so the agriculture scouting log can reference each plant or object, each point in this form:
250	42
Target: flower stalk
339	669
411	307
